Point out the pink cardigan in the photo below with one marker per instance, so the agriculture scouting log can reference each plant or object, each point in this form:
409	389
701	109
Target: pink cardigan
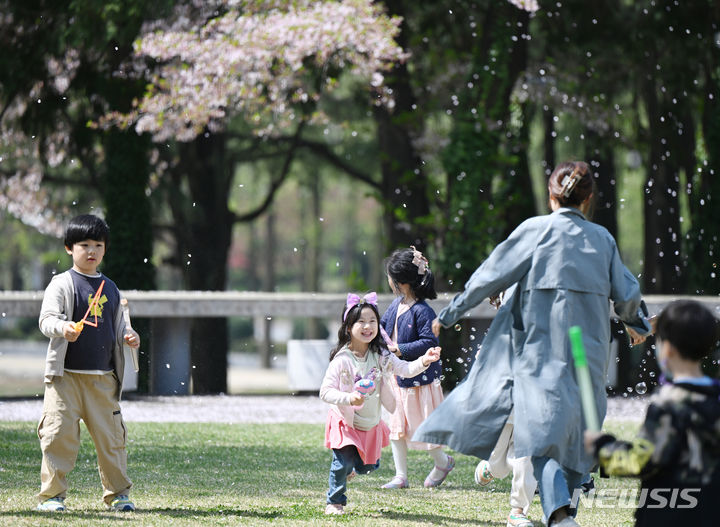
339	381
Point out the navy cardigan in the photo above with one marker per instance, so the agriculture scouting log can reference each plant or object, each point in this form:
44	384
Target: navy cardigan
414	337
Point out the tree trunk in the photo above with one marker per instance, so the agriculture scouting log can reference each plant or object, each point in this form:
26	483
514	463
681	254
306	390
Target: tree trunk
16	266
314	249
253	260
310	212
269	285
601	157
548	142
130	249
404	186
521	196
204	258
663	272
704	238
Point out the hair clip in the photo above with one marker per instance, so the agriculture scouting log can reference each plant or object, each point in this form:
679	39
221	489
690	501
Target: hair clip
569	182
420	261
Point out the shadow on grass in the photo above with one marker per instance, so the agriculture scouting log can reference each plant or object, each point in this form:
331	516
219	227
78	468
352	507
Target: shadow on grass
430	519
140	513
49	517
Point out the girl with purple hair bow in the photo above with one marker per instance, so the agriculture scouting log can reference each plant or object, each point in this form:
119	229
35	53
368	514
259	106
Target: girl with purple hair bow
354	431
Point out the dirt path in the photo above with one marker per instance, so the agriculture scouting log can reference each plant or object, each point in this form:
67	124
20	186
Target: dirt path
248	409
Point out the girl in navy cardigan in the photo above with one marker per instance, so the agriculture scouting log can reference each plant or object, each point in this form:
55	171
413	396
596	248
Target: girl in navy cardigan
408	323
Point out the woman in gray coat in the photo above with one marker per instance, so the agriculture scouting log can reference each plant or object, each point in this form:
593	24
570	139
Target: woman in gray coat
566	270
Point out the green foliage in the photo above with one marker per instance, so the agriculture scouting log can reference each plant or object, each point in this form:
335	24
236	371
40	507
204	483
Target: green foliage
471	234
703	240
355	282
480	160
26	256
481	163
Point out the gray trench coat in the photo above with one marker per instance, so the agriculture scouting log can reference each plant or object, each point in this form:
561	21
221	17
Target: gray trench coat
566	270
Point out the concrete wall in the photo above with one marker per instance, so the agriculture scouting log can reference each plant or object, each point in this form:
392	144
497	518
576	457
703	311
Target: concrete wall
171	311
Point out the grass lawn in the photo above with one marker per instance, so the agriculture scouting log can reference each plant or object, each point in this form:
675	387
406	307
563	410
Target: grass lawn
217	474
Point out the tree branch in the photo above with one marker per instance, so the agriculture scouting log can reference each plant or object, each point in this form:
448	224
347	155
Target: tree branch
324	151
277	183
10	98
62	180
250	155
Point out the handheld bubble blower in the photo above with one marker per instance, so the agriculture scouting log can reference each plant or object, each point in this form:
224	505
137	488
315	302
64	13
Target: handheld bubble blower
126	315
365	386
583	378
92	308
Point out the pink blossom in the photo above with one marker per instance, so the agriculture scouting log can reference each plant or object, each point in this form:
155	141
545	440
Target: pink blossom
261	62
528	5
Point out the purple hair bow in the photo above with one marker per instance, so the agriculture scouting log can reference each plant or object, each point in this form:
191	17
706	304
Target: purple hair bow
354	300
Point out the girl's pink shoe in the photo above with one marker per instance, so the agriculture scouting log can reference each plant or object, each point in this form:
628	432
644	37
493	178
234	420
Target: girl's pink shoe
429	482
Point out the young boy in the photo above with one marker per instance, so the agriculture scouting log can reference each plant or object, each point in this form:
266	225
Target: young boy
502	461
84	370
677	451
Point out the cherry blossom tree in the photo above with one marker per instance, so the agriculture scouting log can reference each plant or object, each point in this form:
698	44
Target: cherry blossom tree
27	154
265	66
267	60
60	67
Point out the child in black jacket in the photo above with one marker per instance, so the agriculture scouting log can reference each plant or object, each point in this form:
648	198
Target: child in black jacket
677	451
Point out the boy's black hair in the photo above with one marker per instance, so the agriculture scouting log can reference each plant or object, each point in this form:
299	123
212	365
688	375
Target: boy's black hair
86	227
376	345
400	268
690	327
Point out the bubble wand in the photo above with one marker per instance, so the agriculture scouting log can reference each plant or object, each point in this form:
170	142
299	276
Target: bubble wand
126	315
583	378
386	337
92	308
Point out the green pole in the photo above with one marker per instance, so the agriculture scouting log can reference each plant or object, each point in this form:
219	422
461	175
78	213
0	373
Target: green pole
583	377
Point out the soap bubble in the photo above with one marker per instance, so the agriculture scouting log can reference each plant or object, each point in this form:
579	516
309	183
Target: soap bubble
641	388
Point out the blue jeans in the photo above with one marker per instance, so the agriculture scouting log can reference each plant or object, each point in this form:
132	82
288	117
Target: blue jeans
556	484
344	461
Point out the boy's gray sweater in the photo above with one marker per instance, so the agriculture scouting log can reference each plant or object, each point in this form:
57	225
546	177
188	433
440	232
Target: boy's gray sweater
57	308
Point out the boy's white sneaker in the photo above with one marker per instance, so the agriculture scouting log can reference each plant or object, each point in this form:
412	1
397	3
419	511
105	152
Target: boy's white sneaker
483	476
121	503
52	505
517	518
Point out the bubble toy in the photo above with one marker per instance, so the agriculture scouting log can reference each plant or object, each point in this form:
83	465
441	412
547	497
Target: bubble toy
80	324
365	387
